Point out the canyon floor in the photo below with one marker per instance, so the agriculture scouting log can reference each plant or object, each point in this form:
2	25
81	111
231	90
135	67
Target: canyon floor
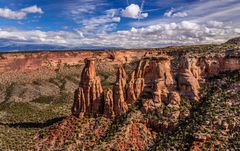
36	103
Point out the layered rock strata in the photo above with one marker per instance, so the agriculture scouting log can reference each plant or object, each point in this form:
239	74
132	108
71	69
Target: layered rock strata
119	92
188	78
90	99
171	111
108	104
194	69
89	96
153	79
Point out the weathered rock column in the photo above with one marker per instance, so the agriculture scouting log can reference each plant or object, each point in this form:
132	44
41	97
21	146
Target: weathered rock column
131	97
152	77
108	104
119	92
89	96
188	77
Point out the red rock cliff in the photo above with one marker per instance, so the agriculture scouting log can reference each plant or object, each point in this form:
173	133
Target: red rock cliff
89	95
154	77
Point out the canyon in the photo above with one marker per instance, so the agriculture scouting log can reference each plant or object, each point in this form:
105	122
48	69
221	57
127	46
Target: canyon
153	99
29	61
154	78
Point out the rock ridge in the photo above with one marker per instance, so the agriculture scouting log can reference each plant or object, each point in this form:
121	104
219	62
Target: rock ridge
153	78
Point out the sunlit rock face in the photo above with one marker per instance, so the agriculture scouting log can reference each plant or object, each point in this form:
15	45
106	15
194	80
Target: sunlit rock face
188	76
108	104
28	61
89	95
119	93
213	65
155	78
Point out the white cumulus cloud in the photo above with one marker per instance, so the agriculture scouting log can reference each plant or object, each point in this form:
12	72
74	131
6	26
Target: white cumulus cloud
133	11
20	14
158	35
32	9
9	14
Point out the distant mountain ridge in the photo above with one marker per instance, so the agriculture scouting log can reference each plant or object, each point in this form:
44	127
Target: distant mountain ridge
14	46
234	40
21	47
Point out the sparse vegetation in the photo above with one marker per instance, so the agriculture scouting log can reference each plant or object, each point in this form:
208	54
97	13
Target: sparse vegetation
211	123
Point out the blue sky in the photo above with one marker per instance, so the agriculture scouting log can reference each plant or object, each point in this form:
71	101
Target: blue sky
79	24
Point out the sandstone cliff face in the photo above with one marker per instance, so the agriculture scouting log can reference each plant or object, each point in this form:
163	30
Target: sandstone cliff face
131	97
194	69
108	104
213	65
119	92
153	78
188	76
89	95
22	62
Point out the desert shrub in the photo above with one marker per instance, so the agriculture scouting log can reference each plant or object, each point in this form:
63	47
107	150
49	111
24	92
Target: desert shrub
9	91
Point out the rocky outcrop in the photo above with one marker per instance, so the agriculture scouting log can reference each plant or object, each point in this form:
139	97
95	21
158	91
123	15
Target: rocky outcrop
174	98
152	77
188	76
89	95
234	41
119	92
79	105
194	69
131	97
171	111
108	104
213	65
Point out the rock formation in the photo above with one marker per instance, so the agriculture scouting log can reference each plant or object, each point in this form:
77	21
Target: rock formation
152	77
212	65
79	106
131	97
89	95
108	104
171	111
188	76
119	92
174	98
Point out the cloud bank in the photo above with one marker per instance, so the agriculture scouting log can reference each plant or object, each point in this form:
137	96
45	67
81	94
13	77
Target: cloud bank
182	33
134	11
20	14
99	25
